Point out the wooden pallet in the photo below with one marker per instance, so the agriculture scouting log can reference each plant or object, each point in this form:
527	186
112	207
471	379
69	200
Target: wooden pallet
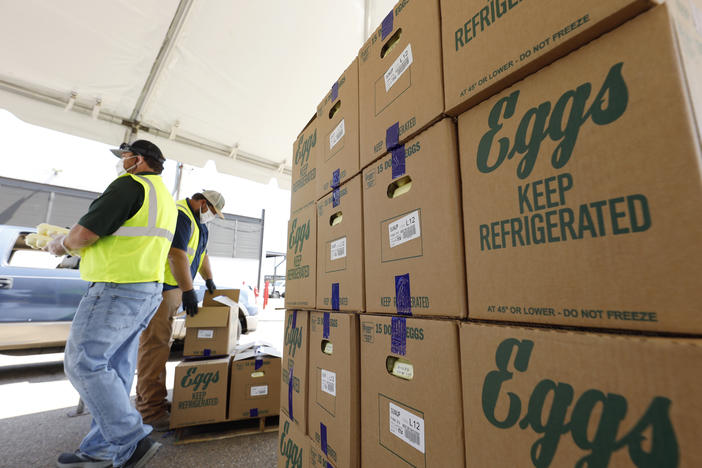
226	430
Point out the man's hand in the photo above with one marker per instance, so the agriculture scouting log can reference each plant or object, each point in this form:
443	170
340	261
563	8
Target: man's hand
56	246
190	302
210	285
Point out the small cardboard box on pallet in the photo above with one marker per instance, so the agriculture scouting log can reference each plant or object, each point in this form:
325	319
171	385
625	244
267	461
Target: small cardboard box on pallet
214	330
200	392
334	393
489	45
413	239
581	184
340	249
293	445
562	398
304	172
400	83
301	263
293	395
254	384
410	392
337	117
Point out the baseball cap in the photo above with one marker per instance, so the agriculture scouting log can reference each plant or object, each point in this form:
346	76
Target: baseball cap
216	199
142	147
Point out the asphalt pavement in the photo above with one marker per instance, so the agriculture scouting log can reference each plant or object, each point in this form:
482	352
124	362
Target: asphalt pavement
36	399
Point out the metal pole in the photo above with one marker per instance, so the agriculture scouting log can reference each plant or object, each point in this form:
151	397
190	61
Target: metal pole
260	251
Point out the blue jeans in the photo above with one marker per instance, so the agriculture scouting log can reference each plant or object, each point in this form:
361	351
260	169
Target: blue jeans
100	358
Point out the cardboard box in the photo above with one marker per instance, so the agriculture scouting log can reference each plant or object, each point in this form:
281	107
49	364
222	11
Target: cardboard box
214	330
200	392
293	445
400	77
293	396
334	398
416	232
489	45
338	126
301	263
317	459
340	249
591	226
558	398
304	171
254	384
410	392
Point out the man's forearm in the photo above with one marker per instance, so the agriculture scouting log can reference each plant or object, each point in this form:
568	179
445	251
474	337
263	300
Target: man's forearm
180	267
79	237
205	270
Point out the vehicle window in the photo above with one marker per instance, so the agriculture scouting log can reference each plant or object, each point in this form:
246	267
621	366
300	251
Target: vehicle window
33	259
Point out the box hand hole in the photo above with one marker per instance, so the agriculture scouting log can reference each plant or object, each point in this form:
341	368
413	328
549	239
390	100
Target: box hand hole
258	374
392	42
335	109
399	367
400	187
327	347
336	218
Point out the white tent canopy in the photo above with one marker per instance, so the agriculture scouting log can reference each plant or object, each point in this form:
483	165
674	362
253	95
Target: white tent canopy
231	81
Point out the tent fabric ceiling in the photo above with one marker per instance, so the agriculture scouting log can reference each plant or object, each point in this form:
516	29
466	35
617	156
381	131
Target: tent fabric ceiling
222	80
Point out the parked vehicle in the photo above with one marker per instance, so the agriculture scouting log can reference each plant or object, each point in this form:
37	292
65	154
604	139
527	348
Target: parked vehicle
39	295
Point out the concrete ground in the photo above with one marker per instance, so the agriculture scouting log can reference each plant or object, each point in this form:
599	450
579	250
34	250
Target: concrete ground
36	397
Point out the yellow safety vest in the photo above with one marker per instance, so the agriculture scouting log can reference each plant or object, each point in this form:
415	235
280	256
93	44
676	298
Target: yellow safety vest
193	241
135	252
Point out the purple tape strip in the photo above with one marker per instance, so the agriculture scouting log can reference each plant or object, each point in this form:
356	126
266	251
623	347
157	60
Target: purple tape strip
325	330
323	437
387	25
392	136
336	197
398	338
206	352
253	413
336	178
335	296
329	465
335	91
402	294
398	162
294	319
290	394
259	363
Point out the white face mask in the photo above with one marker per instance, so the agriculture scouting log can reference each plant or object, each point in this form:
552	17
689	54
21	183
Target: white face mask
206	217
120	166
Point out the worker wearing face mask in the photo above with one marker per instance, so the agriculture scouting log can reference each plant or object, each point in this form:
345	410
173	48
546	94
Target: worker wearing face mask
187	257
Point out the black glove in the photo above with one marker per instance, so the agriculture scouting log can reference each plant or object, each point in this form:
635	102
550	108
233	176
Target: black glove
210	285
190	302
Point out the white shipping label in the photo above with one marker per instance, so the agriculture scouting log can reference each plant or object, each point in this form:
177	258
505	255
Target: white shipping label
259	390
407	426
205	334
338	248
398	67
337	134
329	382
404	229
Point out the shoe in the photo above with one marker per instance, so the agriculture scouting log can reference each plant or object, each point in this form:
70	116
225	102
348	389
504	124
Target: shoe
160	424
78	459
145	451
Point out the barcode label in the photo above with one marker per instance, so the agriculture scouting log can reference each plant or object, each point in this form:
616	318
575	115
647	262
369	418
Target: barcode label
259	390
337	134
399	66
404	229
338	248
407	427
329	382
205	334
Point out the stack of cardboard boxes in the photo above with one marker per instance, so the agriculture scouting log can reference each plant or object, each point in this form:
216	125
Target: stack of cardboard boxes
220	380
537	165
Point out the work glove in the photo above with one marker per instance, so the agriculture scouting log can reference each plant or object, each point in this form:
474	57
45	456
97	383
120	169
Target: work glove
56	246
190	302
210	285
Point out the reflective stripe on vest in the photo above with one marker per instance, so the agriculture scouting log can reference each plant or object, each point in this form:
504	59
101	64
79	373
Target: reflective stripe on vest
193	242
135	252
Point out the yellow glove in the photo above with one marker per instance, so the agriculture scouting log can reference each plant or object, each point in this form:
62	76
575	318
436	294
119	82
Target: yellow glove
50	230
